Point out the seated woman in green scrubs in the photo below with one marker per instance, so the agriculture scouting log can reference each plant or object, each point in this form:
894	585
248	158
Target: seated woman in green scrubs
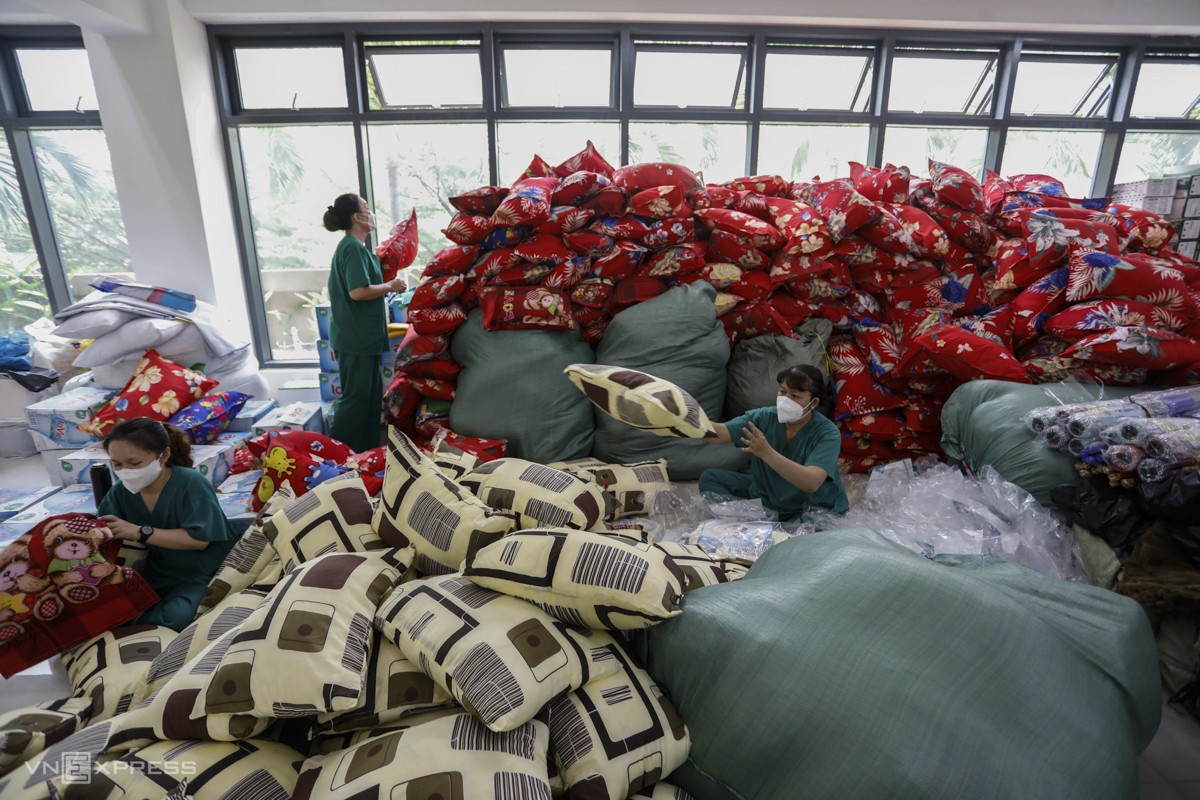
793	450
170	507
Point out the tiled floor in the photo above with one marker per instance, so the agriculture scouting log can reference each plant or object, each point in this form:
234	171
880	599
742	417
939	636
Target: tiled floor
1169	768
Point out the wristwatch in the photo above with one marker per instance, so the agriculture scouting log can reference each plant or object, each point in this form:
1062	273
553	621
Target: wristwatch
144	533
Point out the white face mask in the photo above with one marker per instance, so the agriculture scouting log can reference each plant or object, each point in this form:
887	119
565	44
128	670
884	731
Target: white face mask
791	411
370	221
137	479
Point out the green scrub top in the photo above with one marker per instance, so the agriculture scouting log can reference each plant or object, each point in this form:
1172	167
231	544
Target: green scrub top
817	444
358	326
187	501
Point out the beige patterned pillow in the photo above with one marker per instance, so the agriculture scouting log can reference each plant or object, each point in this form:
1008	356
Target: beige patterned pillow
455	463
632	487
325	743
642	401
661	791
332	517
591	580
453	758
541	496
502	658
303	651
442	520
616	735
699	568
246	561
395	689
111	668
25	732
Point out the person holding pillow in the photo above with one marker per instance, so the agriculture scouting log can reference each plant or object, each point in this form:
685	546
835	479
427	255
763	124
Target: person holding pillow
162	502
358	333
793	450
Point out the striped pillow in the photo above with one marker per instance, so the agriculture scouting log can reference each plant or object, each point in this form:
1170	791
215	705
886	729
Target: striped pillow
502	658
642	401
633	487
540	495
592	580
699	568
246	560
332	517
111	668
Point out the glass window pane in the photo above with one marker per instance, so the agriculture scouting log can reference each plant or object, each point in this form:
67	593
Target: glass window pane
717	150
1158	155
1069	156
807	81
802	152
558	78
710	79
913	147
292	175
77	173
958	85
426	79
420	166
518	142
1167	90
291	77
1080	89
22	291
58	80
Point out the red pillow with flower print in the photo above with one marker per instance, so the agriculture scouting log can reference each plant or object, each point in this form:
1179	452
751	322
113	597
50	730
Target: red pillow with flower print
609	201
754	285
888	184
157	389
538	168
675	261
1041	184
632	291
805	229
414	347
593	333
930	238
1133	276
523	274
720	275
755	318
564	219
869	278
588	243
586	315
1136	346
566	275
588	159
877	342
1096	316
592	292
995	187
1013	270
437	291
1148	231
400	403
959	291
468	228
924	416
733	249
483	449
792	310
453	260
527	203
525	307
996	325
437	321
753	204
963	227
855	251
756	232
484	200
1044	298
649	174
544	248
821	291
670	232
957	187
659	202
443	368
1049	237
435	388
844	210
620	262
787	268
965	355
857	392
371	466
399	250
301	459
888	233
629	228
711	197
769	185
577	188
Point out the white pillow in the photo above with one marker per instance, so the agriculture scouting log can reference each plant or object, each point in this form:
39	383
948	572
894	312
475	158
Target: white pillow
187	340
132	338
93	324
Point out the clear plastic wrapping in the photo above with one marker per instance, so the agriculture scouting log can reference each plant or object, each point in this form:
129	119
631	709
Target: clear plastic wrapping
1139	431
1124	457
1088	424
726	539
1151	470
1093	453
942	511
1176	448
1183	401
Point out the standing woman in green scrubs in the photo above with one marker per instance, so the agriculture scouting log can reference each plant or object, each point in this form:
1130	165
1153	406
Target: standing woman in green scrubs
358	333
172	509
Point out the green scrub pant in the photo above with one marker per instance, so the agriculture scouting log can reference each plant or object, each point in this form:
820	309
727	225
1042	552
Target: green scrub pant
357	412
176	609
728	483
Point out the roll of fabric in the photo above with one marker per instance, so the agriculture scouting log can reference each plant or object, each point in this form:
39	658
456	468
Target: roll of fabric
1139	431
1055	437
1179	402
1075	446
1124	457
1114	434
1088	424
1093	454
1151	470
1041	418
1176	448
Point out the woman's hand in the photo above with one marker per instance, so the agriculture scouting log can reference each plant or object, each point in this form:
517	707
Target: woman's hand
126	531
397	285
755	442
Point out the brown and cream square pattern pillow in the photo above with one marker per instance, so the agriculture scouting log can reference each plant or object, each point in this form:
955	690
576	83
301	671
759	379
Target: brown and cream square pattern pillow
661	791
25	732
642	401
246	560
455	463
111	668
419	504
592	580
699	568
453	758
616	735
633	487
303	651
502	658
540	495
332	517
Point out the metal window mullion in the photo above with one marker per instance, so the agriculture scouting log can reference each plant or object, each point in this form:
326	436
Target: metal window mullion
356	96
879	100
1006	81
1124	83
41	221
628	65
489	74
755	90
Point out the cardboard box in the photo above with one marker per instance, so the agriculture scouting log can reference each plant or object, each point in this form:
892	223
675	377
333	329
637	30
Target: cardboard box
50	462
241	483
1190	229
232	437
72	499
301	390
1192	209
1155	205
397	309
56	417
324	317
294	417
211	460
13	501
327	411
1151	187
237	510
1194	186
331	386
252	412
325	356
1190	249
